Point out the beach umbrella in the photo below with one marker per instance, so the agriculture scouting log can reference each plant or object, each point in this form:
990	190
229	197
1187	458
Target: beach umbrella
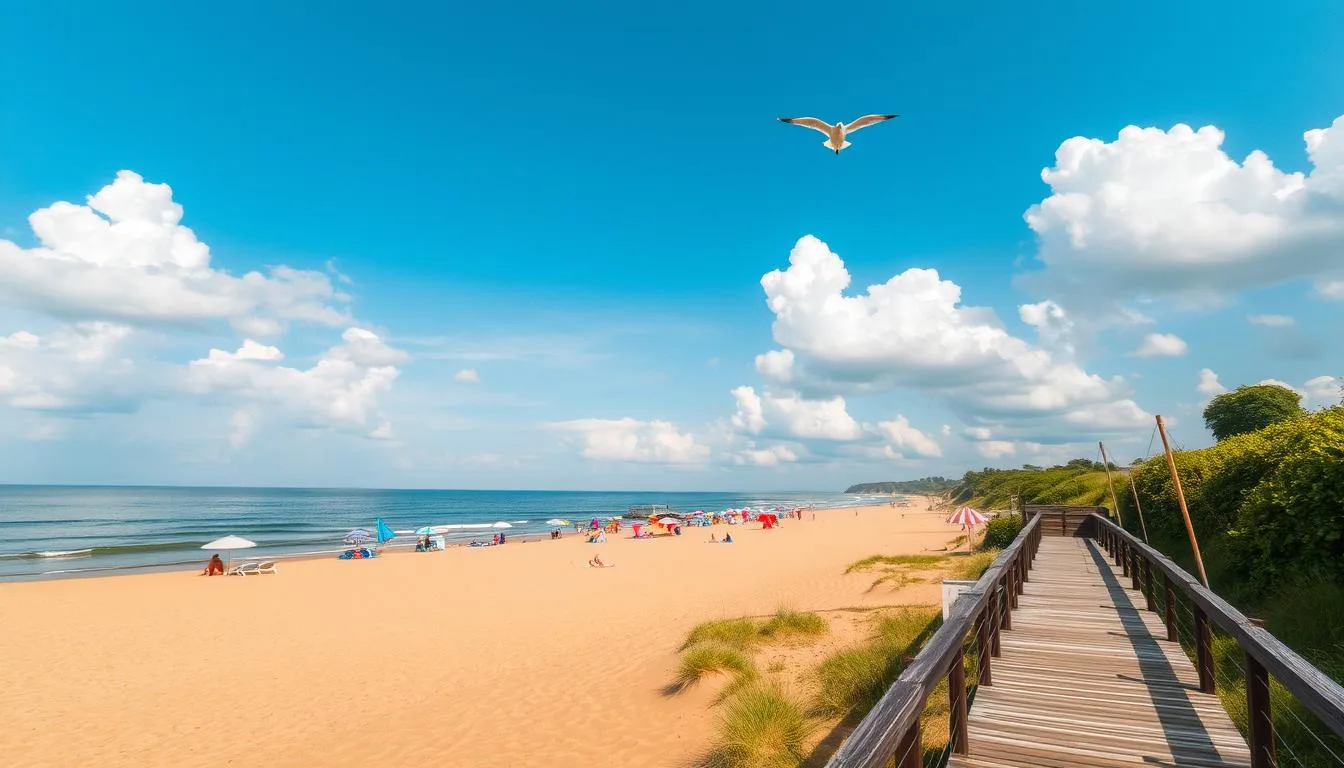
557	521
502	524
358	536
228	544
669	521
385	534
427	530
967	517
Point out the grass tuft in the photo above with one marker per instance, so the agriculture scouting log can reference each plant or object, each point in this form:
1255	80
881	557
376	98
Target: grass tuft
787	624
972	567
711	658
853	679
734	633
894	560
762	727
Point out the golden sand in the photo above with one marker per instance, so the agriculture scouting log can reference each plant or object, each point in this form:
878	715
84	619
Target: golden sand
518	655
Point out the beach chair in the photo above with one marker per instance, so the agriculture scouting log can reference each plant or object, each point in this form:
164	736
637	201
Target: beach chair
243	569
266	567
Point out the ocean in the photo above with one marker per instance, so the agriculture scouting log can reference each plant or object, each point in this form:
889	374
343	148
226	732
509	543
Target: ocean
130	529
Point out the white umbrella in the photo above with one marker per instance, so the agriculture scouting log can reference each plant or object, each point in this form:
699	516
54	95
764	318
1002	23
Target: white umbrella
669	521
501	524
229	543
967	517
558	521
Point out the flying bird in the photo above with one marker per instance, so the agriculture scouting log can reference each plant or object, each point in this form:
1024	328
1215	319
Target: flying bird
835	134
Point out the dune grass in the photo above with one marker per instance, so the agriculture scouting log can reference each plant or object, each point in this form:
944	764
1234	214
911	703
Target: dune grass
853	679
875	561
786	624
972	567
734	633
762	727
712	658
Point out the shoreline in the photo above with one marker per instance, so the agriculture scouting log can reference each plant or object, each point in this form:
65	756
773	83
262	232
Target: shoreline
445	658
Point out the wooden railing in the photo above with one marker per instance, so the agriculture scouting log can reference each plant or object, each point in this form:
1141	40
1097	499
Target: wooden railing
1264	656
891	729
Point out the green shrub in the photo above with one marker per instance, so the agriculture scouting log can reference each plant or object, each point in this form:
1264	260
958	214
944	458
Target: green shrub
1000	532
853	679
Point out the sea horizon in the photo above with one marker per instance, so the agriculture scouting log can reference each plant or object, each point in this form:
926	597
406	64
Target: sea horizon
77	530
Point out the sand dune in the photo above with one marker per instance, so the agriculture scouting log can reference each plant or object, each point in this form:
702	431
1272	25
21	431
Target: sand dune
509	656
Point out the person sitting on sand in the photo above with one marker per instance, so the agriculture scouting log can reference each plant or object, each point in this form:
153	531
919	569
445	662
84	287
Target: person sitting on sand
713	539
728	539
596	562
214	567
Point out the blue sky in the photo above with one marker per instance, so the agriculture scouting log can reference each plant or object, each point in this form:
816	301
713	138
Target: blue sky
579	205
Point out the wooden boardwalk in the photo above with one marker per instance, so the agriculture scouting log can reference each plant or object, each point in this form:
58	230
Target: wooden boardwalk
1087	679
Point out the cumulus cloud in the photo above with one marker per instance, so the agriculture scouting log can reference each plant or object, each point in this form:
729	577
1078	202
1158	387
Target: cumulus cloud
1162	345
789	416
769	456
1209	385
467	376
913	331
81	368
648	442
340	391
124	256
1159	212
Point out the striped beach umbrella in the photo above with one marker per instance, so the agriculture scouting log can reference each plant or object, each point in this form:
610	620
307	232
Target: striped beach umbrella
967	517
358	536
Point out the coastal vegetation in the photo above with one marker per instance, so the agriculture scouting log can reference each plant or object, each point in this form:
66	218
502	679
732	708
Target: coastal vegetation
1267	507
927	485
1251	408
1080	481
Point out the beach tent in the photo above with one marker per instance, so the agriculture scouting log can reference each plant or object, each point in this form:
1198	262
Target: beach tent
228	544
768	520
385	534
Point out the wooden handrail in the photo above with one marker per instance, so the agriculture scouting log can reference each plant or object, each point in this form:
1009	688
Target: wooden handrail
891	728
1266	655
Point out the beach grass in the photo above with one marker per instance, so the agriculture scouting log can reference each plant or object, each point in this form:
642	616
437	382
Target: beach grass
853	679
762	727
734	633
875	561
712	658
972	567
786	624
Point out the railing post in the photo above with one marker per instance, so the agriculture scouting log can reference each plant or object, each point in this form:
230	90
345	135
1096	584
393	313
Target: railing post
1023	567
1263	752
958	730
1148	584
1124	558
908	752
1204	651
1010	600
1135	556
999	617
1168	608
984	675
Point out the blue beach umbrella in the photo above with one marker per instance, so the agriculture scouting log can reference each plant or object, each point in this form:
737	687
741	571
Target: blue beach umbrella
385	534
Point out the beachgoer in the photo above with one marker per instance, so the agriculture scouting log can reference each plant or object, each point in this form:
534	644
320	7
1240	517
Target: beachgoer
728	539
214	567
713	538
596	562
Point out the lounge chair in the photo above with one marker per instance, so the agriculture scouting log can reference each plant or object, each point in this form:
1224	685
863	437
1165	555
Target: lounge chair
266	567
243	569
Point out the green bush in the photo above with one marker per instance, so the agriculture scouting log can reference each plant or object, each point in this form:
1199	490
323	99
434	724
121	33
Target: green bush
762	727
1000	532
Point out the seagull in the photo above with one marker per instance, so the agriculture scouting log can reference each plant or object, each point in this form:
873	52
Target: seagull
835	134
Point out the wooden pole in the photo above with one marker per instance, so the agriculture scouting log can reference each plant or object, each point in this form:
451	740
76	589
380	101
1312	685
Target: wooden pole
1110	485
1180	499
1142	525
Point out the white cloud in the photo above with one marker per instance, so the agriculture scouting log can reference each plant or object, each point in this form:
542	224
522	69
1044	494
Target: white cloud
341	390
1271	321
794	416
906	440
1209	385
1053	325
81	368
1169	212
652	442
771	455
913	331
467	376
996	449
125	257
1316	392
1162	345
242	425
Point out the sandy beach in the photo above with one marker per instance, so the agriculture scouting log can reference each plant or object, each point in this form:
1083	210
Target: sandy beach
505	656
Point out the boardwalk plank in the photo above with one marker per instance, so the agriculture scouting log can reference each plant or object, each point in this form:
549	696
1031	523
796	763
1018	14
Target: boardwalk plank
1087	680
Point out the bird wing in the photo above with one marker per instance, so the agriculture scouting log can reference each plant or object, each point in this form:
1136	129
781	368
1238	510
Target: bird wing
808	122
867	120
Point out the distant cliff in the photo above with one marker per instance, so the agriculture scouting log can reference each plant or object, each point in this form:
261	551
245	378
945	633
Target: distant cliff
922	485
